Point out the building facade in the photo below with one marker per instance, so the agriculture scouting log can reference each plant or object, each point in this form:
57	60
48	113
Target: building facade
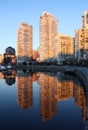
81	39
48	33
24	43
65	48
81	45
85	19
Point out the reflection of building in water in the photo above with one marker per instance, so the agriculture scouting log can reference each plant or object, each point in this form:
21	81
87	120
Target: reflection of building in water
10	76
71	88
80	100
1	75
35	55
24	91
10	81
64	89
48	91
54	89
34	77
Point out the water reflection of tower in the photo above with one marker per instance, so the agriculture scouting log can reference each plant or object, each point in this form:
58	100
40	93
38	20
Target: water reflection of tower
80	99
86	122
1	75
68	88
34	77
48	91
65	87
24	90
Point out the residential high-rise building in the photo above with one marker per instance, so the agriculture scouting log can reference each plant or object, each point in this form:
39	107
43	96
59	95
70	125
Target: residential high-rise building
24	43
65	47
48	33
85	19
81	39
81	44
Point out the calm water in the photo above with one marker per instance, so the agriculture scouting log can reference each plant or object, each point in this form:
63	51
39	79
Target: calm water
41	101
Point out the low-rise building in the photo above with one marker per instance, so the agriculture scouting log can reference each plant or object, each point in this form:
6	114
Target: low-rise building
65	48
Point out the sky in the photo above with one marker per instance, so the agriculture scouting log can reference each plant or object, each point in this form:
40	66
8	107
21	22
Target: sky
13	12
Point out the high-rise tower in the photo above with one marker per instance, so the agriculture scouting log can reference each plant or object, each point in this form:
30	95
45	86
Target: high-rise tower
81	39
85	19
24	43
48	33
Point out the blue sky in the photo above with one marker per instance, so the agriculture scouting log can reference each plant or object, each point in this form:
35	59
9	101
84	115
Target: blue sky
13	12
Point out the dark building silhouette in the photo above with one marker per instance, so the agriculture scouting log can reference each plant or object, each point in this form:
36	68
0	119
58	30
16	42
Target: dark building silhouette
10	51
10	81
9	56
10	77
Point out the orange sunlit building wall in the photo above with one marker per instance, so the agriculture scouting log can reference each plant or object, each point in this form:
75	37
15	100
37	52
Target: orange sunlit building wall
24	43
48	33
1	58
81	39
81	47
24	92
48	101
85	19
65	47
